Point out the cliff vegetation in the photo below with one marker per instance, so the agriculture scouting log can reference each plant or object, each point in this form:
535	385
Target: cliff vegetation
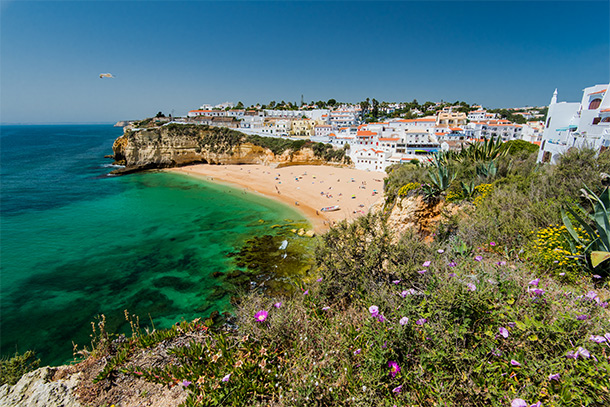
176	145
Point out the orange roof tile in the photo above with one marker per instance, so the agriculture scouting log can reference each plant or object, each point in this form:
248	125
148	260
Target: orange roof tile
365	133
601	91
389	139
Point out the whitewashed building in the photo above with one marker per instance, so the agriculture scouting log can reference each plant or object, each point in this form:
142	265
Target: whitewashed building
584	124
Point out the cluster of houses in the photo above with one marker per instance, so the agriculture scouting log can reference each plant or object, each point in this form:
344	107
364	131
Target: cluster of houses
371	146
375	146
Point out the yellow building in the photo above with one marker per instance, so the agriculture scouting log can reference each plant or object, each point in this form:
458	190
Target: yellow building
304	127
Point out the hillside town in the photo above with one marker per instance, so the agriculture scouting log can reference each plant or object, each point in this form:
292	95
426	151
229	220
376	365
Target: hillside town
376	135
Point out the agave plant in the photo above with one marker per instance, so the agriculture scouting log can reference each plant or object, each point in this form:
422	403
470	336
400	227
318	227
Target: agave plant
595	228
467	189
441	177
487	170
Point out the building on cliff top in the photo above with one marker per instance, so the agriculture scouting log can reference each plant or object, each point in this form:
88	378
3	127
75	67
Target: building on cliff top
584	124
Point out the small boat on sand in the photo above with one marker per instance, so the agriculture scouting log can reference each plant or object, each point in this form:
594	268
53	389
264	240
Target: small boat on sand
331	208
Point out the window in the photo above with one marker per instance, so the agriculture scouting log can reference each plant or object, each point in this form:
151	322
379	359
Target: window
594	104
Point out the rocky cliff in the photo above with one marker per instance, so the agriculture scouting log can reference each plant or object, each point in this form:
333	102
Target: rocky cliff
178	145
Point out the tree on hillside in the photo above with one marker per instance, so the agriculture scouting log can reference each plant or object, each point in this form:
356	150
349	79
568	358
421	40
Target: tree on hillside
160	114
240	105
331	102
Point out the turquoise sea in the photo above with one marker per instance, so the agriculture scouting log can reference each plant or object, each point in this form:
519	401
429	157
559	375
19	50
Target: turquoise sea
76	243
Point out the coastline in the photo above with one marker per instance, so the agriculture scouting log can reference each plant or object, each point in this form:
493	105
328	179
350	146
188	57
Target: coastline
313	187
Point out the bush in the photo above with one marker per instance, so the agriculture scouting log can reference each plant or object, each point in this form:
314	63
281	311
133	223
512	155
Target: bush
13	368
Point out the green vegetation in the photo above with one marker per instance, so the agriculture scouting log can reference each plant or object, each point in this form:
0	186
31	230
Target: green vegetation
11	369
496	306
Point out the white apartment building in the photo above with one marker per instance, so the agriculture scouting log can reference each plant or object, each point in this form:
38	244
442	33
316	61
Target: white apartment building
481	115
584	124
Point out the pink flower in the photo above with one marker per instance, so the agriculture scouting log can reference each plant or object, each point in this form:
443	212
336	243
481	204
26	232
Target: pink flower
492	243
534	282
518	403
226	378
421	321
185	383
277	304
452	275
394	368
426	263
325	308
261	315
319	279
478	258
583	352
597	338
503	332
374	310
538	291
403	321
452	264
555	376
440	251
422	271
501	263
380	318
471	287
397	389
357	351
396	282
306	292
514	362
582	317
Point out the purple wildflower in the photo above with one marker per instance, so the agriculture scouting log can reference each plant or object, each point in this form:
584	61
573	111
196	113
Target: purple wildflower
591	295
471	287
404	294
518	403
538	404
452	275
538	291
534	282
374	310
503	332
478	258
496	352
555	376
277	304
422	271
226	378
583	352
306	292
396	281
421	321
357	351
397	389
261	315
562	274
582	317
185	383
319	279
394	368
501	263
325	308
380	318
452	264
597	276
572	355
440	251
426	263
607	336
597	339
492	243
403	321
514	362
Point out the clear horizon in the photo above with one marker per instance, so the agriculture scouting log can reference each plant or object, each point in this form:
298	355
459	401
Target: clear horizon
174	56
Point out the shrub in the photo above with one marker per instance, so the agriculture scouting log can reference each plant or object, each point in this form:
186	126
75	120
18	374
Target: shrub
11	369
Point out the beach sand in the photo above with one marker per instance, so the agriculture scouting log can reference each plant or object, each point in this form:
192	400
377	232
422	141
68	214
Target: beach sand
307	188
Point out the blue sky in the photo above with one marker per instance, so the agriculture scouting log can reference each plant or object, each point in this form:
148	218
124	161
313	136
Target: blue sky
174	56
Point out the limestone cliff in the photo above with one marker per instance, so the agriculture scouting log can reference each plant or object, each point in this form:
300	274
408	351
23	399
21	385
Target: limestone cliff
178	145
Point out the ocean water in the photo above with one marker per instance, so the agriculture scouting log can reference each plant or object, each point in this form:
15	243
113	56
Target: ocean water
76	243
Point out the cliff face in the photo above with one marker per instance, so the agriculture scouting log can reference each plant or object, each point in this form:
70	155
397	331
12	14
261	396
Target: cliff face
172	146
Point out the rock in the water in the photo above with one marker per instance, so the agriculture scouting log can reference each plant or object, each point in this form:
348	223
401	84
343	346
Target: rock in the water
38	389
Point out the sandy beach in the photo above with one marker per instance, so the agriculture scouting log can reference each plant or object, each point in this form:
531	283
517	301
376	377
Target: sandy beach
308	188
